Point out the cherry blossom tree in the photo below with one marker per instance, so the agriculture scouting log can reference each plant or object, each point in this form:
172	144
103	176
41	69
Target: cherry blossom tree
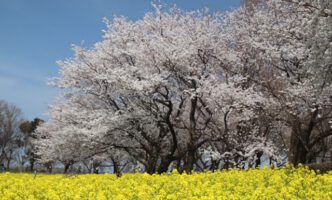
157	90
198	90
285	47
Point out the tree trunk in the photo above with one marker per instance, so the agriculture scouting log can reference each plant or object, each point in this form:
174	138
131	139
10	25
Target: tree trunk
8	164
164	165
179	166
258	160
300	139
190	161
50	169
297	152
322	167
151	164
214	165
162	168
189	165
32	163
67	165
116	169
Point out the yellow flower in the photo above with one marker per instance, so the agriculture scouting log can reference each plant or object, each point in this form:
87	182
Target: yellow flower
286	183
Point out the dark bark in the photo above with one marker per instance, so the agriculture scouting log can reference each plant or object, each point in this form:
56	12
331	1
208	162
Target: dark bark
66	168
190	161
214	165
32	164
323	167
165	163
151	168
8	164
190	158
9	158
300	140
179	166
259	154
50	169
297	152
227	164
116	168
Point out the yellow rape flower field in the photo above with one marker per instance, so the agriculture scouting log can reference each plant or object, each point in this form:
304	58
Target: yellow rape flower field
287	183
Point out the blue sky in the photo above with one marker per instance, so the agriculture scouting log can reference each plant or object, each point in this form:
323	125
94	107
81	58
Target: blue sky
34	34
